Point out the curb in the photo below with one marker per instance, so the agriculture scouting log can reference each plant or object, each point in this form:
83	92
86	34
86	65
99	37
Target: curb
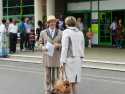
18	60
104	65
105	62
94	64
26	56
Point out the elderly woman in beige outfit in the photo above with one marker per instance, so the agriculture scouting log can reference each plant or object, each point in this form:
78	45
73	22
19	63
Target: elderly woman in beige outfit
72	53
51	38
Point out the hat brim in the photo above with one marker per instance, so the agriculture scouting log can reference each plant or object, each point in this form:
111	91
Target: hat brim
51	20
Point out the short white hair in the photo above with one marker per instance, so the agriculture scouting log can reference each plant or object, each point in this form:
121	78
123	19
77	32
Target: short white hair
70	21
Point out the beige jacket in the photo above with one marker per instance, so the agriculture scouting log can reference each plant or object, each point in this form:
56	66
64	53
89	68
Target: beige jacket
51	61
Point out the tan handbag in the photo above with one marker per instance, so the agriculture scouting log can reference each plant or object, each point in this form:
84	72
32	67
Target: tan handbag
62	86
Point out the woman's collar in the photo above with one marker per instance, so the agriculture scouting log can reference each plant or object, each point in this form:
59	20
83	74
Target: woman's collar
73	28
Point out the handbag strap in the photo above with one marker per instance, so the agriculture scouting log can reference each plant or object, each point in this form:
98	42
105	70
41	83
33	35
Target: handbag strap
63	73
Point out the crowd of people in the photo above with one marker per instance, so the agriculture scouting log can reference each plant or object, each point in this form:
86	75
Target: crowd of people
26	34
118	34
10	33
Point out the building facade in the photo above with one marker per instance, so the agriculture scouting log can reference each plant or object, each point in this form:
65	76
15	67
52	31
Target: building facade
99	14
96	14
30	8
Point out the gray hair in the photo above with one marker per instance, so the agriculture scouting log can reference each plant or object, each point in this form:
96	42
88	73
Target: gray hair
70	21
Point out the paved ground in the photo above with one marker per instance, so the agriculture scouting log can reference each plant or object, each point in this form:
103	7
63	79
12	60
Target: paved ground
27	78
20	78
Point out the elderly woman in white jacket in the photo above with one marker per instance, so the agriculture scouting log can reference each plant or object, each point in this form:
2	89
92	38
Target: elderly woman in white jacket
72	53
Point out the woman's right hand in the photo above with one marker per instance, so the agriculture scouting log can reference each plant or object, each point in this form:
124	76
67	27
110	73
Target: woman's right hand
62	66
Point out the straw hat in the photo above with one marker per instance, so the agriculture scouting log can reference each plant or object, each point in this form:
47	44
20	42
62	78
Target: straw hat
50	18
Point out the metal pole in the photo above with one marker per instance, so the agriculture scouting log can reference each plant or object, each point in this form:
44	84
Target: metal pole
91	15
7	9
98	8
91	5
99	21
21	10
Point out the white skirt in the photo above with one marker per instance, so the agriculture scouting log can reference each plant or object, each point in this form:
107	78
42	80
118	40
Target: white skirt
73	69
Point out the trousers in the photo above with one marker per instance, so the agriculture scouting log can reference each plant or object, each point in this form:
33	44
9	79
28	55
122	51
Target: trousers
51	75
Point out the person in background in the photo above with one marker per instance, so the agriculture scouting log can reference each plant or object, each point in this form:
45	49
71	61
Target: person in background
9	23
13	30
44	22
72	53
39	29
51	36
3	40
32	40
28	30
113	28
22	31
119	34
89	36
61	24
79	24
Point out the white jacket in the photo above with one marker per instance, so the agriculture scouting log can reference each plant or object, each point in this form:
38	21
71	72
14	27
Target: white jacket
72	62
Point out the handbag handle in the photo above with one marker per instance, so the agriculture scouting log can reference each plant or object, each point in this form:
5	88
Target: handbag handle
63	73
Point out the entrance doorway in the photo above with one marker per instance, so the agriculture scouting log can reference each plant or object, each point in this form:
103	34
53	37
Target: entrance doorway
105	19
120	15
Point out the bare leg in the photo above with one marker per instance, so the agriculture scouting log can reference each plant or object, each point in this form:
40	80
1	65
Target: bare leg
75	88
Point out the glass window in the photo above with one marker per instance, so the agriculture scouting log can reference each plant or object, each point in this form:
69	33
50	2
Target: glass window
28	10
28	2
13	7
13	3
4	3
14	11
4	11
